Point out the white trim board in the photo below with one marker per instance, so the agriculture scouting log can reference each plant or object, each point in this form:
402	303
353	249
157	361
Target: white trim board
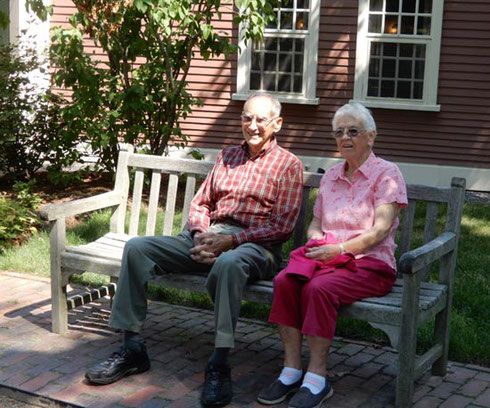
477	179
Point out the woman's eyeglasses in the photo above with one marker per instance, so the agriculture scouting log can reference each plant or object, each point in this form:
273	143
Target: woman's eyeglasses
351	132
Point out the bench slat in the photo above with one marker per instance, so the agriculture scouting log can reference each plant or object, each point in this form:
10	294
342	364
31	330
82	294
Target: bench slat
136	205
168	223
156	178
190	188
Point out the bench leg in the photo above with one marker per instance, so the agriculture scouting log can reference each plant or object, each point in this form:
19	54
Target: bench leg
59	314
441	336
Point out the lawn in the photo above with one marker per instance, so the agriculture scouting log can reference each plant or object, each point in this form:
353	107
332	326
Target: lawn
470	333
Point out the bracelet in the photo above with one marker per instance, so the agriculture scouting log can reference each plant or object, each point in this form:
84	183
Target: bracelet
342	249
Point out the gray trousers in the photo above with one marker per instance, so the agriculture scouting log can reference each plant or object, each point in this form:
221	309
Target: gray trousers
146	257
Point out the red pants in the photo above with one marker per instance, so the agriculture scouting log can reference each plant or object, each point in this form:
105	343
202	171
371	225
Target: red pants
311	306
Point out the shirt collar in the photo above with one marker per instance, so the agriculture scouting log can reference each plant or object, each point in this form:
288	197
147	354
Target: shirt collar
365	168
263	152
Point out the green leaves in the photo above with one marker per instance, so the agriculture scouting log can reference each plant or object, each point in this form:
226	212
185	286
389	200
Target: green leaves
136	91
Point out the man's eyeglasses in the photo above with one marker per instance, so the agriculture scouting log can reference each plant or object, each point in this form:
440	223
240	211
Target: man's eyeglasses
351	132
261	122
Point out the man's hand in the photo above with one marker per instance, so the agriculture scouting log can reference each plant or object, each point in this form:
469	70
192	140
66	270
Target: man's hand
209	245
323	253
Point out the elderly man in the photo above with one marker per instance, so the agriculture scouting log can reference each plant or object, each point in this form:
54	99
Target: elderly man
243	211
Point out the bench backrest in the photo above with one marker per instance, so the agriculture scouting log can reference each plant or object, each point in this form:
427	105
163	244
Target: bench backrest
442	205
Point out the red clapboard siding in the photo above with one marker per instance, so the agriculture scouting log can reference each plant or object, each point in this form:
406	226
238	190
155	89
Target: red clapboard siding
457	135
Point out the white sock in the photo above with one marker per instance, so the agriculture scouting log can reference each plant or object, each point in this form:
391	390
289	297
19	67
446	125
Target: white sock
314	382
290	375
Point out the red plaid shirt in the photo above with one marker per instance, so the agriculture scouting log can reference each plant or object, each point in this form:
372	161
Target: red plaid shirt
262	194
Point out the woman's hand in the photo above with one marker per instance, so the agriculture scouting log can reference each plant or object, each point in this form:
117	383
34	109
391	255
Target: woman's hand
323	253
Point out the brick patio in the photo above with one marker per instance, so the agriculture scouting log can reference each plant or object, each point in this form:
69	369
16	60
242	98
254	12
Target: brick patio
49	368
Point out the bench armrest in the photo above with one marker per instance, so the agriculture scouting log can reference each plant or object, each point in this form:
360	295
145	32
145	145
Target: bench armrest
50	212
413	261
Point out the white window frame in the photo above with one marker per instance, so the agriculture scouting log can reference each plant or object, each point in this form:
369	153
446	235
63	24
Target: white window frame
308	97
431	73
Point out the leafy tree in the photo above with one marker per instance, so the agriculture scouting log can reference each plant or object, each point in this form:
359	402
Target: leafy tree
138	91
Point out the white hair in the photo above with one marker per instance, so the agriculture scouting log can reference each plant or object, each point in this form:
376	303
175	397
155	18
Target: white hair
356	110
275	104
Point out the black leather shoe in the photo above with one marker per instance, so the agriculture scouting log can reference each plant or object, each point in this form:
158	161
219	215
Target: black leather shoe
277	392
217	385
122	362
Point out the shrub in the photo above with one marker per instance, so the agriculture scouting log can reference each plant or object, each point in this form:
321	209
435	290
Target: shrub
30	122
17	216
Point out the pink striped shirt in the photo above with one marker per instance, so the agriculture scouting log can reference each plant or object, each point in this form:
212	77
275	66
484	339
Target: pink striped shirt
262	194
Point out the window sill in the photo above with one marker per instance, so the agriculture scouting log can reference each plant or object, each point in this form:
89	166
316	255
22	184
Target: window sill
281	98
399	105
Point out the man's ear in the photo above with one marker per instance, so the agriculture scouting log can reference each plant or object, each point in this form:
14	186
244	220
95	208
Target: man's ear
277	124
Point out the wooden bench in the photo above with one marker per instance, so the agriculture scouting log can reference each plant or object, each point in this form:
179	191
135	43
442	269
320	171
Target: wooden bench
412	301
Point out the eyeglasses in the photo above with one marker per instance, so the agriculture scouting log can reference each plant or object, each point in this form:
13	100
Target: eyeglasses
261	122
351	132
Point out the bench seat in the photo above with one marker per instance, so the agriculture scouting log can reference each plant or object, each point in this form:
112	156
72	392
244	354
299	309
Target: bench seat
421	292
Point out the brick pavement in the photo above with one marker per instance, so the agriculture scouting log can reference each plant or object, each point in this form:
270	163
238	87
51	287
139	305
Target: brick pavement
179	340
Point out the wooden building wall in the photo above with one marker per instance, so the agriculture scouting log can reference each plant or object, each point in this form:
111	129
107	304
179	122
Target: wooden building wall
458	135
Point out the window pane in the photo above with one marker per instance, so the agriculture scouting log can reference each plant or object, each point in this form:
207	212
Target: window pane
376	5
420	51
393	5
286	44
302	4
405	69
256	61
273	24
389	68
374	24
388	89
298	63
374	67
408	6
255	81
287	4
391	24
406	50
419	69
407	25
284	83
299	45
270	61
286	20
271	44
269	82
298	84
376	48
302	21
373	87
425	6
403	89
285	62
418	90
423	26
389	49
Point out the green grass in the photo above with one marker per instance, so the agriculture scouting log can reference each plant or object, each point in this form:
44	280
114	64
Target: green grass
470	333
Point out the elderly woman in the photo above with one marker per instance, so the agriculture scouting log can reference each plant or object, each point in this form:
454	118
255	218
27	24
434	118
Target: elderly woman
349	256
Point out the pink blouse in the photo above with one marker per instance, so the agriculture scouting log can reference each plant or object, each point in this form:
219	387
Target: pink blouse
346	209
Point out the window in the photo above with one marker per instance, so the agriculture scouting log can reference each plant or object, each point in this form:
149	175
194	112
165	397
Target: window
284	63
397	57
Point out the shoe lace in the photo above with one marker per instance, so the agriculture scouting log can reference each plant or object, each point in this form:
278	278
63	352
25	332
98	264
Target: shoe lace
121	352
